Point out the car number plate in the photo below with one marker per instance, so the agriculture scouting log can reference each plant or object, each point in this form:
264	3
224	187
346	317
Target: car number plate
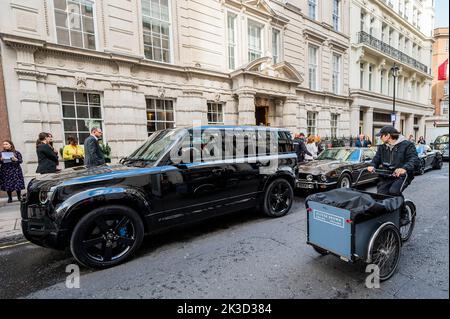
305	185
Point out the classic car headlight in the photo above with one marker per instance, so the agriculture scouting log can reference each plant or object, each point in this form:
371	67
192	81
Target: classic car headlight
309	178
323	178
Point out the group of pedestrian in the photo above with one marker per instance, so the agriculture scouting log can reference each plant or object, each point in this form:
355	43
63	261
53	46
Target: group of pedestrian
363	141
11	175
421	140
307	149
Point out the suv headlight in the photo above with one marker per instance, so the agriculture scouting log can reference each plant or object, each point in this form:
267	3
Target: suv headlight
46	196
309	178
323	178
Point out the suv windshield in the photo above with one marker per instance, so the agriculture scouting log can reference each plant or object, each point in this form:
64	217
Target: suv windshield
157	144
339	154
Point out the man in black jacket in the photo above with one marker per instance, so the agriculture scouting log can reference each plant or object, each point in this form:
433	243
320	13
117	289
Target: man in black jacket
300	148
93	155
396	154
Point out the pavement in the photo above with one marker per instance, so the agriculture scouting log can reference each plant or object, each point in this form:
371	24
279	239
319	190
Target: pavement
10	225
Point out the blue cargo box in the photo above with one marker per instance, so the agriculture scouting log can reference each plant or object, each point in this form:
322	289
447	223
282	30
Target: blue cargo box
331	228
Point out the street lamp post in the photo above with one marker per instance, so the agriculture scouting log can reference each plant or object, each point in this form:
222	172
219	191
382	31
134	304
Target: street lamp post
394	71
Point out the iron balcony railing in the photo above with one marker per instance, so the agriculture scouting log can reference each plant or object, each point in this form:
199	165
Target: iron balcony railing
366	38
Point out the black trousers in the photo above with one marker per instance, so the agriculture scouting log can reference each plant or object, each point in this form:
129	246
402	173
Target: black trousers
391	186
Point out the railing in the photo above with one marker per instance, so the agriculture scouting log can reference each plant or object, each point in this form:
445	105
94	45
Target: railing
366	38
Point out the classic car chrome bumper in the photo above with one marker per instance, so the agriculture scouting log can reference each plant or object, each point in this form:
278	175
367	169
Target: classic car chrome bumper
304	184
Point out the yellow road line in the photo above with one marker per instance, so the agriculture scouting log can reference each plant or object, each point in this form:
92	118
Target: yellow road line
14	245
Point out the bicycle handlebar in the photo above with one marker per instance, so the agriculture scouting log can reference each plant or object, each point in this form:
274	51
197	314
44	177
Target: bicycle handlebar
384	172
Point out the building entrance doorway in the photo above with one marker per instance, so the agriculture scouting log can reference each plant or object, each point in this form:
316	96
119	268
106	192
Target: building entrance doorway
262	114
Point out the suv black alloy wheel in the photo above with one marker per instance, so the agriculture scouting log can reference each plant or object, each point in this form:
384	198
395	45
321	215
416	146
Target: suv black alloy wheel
107	236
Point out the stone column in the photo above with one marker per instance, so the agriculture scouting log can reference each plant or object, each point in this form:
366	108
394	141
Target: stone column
421	123
125	118
398	120
279	113
246	108
290	114
191	109
354	120
368	122
409	124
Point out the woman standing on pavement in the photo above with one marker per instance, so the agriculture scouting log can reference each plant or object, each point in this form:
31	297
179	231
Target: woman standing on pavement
73	153
47	159
312	148
11	176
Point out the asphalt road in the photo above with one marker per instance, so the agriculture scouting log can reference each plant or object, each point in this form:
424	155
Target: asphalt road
245	255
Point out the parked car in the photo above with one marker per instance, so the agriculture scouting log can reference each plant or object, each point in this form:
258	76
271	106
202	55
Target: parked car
337	167
429	158
103	213
441	143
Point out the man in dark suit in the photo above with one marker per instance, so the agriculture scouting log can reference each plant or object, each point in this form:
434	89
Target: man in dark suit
93	155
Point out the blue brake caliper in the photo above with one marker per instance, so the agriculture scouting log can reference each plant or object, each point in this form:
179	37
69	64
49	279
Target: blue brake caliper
123	232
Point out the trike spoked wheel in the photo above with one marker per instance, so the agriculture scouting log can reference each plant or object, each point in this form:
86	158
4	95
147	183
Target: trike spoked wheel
410	217
385	251
107	236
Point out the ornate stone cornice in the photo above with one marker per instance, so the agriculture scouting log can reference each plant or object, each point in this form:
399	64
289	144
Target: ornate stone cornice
29	74
312	35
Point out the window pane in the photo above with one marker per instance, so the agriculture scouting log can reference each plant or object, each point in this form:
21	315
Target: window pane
60	4
160	126
60	19
74	7
87	9
82	137
94	99
62	36
165	10
88	25
74	22
151	116
89	41
81	98
169	105
148	52
70	125
68	111
67	97
151	127
96	112
82	111
76	38
83	126
165	29
160	116
155	9
169	116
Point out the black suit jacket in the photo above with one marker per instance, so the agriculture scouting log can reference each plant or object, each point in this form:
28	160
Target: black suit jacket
93	155
47	159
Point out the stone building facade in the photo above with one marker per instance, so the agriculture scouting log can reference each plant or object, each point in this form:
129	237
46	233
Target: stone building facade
135	66
387	33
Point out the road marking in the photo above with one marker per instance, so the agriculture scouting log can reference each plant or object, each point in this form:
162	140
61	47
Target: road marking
14	245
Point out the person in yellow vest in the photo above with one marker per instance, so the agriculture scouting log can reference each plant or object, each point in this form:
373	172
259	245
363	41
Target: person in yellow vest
73	153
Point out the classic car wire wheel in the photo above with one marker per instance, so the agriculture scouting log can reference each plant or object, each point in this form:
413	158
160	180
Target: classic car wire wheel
280	199
109	238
